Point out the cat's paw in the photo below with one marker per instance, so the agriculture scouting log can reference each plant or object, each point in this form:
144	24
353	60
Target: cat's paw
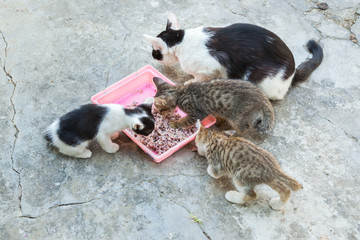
276	204
211	172
112	148
173	124
190	81
235	197
85	154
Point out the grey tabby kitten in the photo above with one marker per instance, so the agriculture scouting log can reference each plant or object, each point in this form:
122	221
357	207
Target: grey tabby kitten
240	104
246	163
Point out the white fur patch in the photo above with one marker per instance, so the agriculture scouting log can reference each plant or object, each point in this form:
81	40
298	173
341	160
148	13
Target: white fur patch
276	203
201	148
116	120
235	197
194	56
275	87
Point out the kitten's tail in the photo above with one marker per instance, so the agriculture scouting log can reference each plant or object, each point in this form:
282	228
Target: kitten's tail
49	132
288	181
265	123
304	70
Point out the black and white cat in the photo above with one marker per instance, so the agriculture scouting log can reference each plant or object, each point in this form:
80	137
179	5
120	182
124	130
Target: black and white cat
72	132
239	51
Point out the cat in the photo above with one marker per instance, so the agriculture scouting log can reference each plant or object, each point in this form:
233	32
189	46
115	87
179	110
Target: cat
72	132
242	105
246	163
239	51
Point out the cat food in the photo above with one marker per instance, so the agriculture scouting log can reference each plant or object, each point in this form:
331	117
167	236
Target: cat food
164	137
134	89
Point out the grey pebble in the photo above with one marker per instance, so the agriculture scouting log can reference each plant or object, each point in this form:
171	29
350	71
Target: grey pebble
323	6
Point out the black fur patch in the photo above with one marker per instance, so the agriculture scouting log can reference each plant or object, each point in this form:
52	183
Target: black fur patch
81	124
146	107
149	125
132	111
48	137
304	70
157	55
251	51
172	37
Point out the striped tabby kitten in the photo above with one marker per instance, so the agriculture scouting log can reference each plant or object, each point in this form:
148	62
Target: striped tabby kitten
247	164
242	104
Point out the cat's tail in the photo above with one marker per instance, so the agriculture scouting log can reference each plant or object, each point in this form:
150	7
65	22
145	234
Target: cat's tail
50	131
304	70
291	183
264	124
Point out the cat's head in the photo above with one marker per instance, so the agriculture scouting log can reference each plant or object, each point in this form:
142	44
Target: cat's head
166	95
144	124
201	138
163	43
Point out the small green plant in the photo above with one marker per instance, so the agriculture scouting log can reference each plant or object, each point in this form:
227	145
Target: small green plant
196	219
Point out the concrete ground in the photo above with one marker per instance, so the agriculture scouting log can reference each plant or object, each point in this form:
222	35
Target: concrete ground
56	54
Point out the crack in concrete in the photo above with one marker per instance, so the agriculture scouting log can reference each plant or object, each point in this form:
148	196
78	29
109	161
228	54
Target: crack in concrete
233	12
57	206
346	133
12	118
328	15
176	203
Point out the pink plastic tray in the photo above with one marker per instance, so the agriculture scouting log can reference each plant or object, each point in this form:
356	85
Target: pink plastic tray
137	87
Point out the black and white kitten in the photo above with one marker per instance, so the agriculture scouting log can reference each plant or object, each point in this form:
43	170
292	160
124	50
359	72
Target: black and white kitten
72	133
239	51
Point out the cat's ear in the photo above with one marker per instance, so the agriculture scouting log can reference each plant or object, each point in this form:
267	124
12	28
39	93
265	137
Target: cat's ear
138	126
172	22
199	126
157	43
159	82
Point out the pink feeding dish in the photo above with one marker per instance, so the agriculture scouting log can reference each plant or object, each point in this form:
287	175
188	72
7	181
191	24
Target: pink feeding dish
135	88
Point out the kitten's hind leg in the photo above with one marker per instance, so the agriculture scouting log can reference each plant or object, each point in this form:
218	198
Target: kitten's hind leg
106	143
215	172
79	151
85	154
279	202
243	195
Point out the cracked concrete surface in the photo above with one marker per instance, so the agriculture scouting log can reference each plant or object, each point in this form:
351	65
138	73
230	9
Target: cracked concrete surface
55	55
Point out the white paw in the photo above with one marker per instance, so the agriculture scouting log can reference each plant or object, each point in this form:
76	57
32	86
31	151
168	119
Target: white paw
276	204
112	149
235	197
190	81
229	132
210	172
85	154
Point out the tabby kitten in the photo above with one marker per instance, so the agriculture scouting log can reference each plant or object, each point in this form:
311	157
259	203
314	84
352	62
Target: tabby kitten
247	164
240	103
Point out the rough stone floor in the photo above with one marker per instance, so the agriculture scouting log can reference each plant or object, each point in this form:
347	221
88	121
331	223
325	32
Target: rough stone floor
56	54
